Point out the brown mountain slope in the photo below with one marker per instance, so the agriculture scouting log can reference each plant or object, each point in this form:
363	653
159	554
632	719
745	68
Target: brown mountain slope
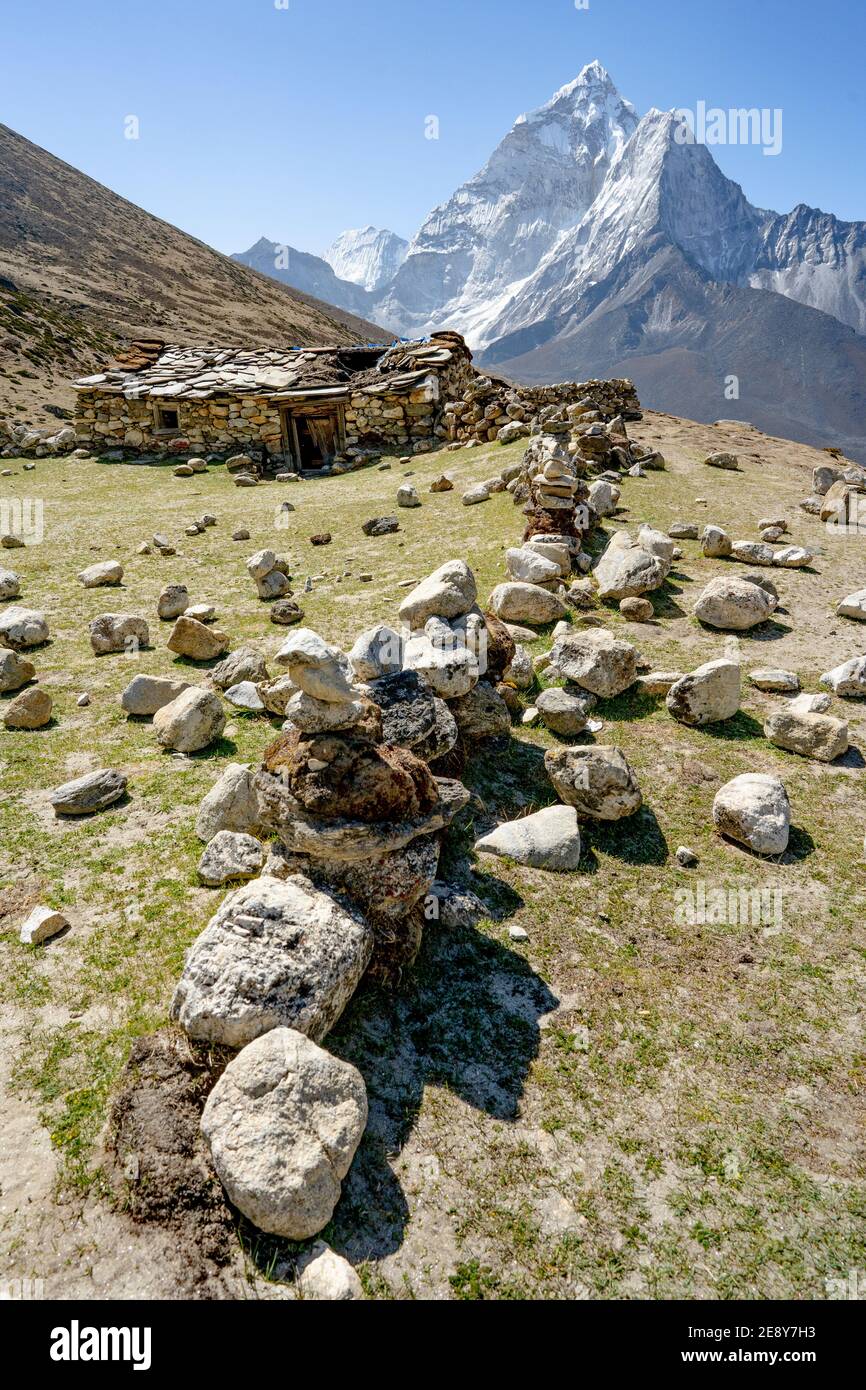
82	269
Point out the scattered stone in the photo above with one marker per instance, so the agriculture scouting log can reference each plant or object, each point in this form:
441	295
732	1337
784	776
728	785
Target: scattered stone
854	606
14	671
29	710
241	534
686	858
754	810
10	584
282	1125
195	641
848	680
42	923
626	570
775	681
548	839
595	660
442	484
526	603
598	781
146	694
818	736
734	604
658	682
563	713
245	696
752	552
407	496
326	1277
715	543
729	461
229	805
88	794
243	664
172	602
11	542
683	531
793	557
118	632
479	493
481	714
230	855
708	695
285	612
637	610
22	627
381	526
191	722
108	572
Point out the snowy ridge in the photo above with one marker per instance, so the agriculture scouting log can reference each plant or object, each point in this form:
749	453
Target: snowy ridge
367	256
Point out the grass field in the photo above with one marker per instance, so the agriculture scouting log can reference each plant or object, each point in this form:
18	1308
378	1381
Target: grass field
624	1105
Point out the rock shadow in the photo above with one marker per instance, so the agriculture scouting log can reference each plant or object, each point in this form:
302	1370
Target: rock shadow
467	1022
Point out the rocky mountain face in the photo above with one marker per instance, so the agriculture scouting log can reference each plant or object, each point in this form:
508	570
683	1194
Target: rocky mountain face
368	256
82	270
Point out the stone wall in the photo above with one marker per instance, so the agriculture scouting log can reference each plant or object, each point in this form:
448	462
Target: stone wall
490	406
377	416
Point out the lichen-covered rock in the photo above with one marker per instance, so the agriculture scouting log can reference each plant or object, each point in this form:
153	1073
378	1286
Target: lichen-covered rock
734	604
596	661
276	954
548	839
707	695
191	722
598	782
818	736
118	632
754	810
343	776
282	1125
229	805
230	855
447	593
10	584
481	714
146	694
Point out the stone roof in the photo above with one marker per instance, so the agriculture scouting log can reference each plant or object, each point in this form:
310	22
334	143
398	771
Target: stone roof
152	369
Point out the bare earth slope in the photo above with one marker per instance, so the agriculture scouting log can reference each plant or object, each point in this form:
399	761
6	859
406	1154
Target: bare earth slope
81	268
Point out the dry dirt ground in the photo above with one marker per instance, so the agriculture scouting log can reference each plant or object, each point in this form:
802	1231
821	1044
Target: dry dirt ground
623	1105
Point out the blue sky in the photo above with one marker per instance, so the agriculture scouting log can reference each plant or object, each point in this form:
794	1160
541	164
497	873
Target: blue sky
298	122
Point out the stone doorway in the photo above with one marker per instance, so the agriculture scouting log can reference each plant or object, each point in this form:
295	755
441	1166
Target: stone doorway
314	438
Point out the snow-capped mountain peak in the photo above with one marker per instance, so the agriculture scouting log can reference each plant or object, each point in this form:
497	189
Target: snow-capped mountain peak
473	252
367	256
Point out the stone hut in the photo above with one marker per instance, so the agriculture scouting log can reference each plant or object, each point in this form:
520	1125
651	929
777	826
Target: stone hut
301	407
304	408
